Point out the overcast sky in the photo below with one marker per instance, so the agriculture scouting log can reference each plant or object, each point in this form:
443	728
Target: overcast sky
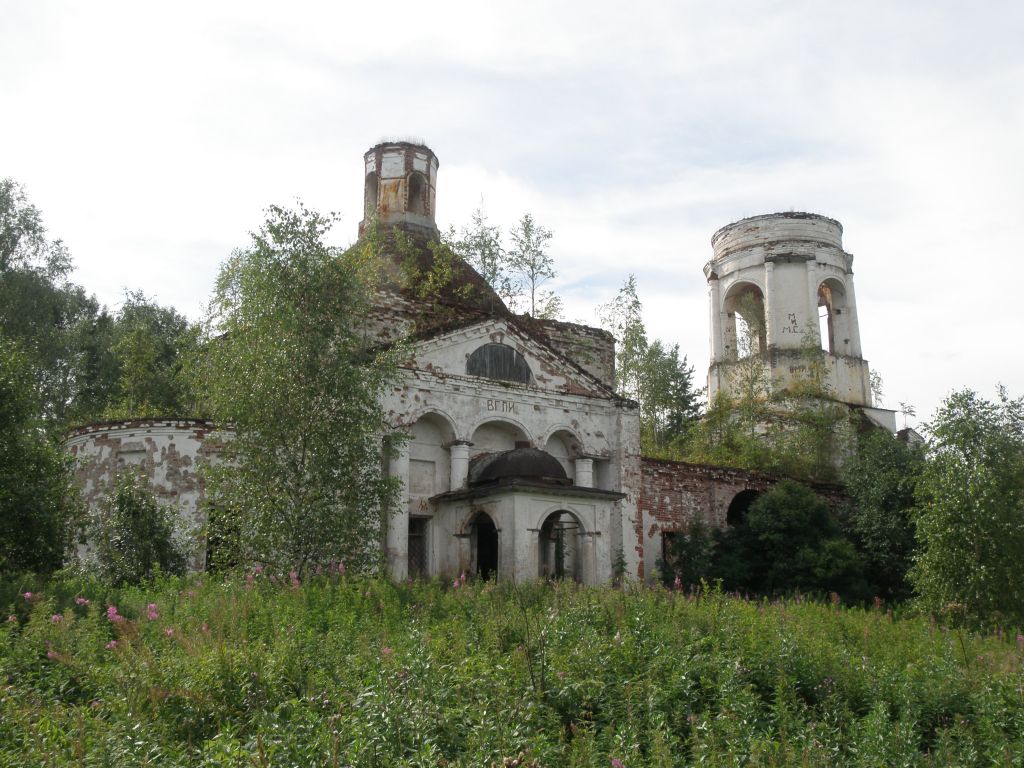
152	136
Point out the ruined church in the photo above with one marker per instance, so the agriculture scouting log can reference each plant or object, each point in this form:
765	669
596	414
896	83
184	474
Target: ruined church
521	460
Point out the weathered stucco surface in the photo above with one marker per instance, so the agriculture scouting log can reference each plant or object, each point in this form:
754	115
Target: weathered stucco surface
168	451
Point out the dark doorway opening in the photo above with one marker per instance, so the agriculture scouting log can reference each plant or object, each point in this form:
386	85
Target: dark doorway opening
738	507
485	540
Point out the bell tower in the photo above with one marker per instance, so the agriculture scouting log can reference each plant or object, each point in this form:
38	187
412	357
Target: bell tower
400	187
781	288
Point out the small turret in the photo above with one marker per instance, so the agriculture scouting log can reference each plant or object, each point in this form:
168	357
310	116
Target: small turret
401	187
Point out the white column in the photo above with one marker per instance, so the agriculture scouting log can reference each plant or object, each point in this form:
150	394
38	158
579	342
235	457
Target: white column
460	464
717	342
769	304
397	541
852	325
812	299
584	472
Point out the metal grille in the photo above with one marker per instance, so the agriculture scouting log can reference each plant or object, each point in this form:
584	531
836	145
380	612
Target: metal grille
417	547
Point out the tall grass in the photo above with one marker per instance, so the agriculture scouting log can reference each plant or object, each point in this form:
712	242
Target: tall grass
348	671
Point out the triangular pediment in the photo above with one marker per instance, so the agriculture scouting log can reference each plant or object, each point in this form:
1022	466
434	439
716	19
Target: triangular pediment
496	350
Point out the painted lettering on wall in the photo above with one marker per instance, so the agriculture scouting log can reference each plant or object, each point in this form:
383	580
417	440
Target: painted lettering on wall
793	326
502	406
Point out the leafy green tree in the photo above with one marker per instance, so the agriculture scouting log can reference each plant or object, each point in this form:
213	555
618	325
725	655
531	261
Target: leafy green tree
38	504
133	534
50	317
479	245
531	266
652	374
291	373
788	541
151	348
880	479
688	556
970	516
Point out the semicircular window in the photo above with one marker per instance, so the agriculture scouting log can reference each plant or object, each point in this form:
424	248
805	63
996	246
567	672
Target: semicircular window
498	361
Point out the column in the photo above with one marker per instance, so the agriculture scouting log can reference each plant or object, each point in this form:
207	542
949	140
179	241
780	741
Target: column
769	304
812	298
717	348
459	450
584	472
397	540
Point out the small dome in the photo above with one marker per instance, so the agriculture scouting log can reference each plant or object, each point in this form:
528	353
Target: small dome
531	463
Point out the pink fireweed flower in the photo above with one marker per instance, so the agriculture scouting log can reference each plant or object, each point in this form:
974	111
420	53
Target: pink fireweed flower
27	595
169	632
462	577
81	601
111	645
678	583
250	580
258	570
52	655
616	763
113	615
455	584
151	612
56	618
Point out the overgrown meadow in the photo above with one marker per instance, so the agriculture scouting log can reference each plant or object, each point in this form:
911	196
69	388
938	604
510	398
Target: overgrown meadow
339	670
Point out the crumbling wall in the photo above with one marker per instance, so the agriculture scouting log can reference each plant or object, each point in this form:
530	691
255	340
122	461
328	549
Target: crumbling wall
166	451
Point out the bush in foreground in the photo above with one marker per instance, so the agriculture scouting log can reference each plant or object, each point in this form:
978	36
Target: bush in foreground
345	671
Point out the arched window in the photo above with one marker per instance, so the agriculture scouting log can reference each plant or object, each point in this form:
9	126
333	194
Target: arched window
559	548
744	328
417	194
483	538
498	361
832	319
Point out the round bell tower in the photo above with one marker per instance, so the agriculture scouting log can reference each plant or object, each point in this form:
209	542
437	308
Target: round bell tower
781	288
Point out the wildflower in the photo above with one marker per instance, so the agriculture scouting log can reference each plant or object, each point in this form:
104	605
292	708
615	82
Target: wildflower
455	584
111	645
341	568
879	602
113	615
151	612
56	618
12	618
27	595
386	651
52	655
616	763
258	570
678	583
81	601
462	577
169	632
250	580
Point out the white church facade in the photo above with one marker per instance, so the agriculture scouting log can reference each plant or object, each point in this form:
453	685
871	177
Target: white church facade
521	461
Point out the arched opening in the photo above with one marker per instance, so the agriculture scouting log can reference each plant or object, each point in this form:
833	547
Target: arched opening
417	194
559	549
739	505
483	539
501	362
495	436
744	329
429	457
564	447
832	317
370	196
